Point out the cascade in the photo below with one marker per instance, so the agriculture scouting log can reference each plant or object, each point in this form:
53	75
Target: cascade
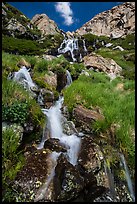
23	77
110	179
84	46
129	182
69	78
40	99
72	142
69	44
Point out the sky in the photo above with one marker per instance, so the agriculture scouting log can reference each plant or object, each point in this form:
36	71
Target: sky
68	16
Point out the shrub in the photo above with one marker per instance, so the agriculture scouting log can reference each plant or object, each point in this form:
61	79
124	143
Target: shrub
20	46
19	106
17	112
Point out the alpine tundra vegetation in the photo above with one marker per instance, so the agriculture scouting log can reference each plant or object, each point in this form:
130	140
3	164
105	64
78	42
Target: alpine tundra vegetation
68	107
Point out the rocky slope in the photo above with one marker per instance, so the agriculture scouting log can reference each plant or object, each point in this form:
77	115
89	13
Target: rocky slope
16	24
45	24
116	22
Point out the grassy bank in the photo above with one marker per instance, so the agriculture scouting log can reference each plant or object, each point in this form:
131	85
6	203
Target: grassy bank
117	105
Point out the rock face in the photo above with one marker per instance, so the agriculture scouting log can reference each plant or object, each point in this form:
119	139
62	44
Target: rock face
45	24
85	117
67	181
15	24
116	22
101	64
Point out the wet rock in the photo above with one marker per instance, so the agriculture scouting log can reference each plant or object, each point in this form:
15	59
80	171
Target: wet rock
48	96
84	117
69	127
23	62
68	182
90	156
32	175
54	145
61	81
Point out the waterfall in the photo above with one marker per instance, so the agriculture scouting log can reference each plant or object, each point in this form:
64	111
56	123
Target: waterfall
72	142
69	45
40	99
43	191
129	182
84	46
110	179
23	77
69	78
54	126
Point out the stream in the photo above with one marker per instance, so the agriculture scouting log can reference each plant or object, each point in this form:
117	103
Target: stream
54	129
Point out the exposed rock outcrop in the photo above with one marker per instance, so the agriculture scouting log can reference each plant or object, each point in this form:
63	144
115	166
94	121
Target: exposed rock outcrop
84	117
15	24
98	63
116	22
45	24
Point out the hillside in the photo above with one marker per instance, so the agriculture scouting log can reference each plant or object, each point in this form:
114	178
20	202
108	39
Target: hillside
68	108
114	23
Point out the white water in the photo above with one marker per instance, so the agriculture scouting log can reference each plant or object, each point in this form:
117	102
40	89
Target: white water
129	182
84	46
54	126
69	45
40	99
72	143
23	76
110	179
69	79
43	191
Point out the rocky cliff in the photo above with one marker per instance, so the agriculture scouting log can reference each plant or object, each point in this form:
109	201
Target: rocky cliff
116	22
16	24
45	24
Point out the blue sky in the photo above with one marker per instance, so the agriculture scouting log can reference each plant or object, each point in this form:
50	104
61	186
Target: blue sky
69	16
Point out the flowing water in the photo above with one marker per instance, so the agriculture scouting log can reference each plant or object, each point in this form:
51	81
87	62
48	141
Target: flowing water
72	142
84	46
69	45
110	179
129	182
23	77
69	79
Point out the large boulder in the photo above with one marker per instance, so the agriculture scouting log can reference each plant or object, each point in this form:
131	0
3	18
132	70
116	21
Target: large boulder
84	117
101	64
32	175
61	81
68	182
54	145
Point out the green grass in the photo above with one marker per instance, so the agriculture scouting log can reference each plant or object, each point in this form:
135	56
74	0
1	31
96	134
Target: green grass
118	56
12	161
19	106
118	106
20	46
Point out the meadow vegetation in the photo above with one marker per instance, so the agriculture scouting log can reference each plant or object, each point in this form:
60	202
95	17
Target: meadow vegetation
117	106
